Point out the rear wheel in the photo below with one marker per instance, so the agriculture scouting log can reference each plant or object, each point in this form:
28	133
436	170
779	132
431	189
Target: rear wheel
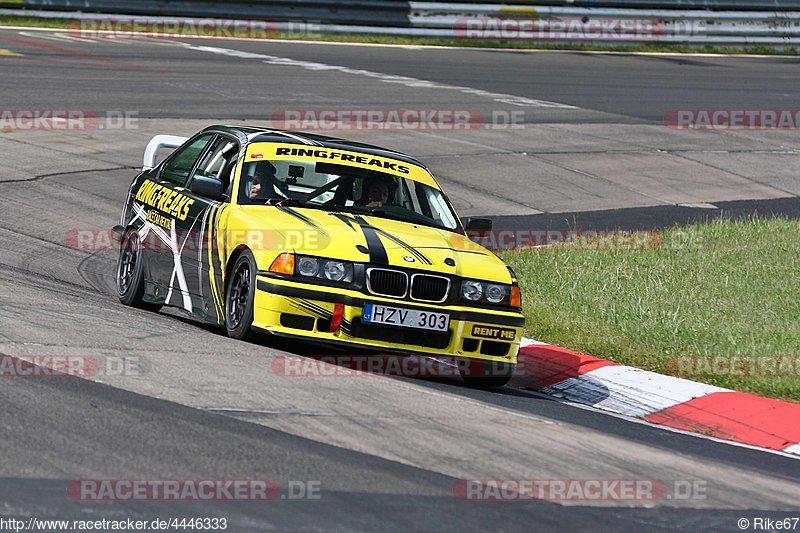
130	273
240	297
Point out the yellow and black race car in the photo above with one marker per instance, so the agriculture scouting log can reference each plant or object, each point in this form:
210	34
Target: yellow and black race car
316	238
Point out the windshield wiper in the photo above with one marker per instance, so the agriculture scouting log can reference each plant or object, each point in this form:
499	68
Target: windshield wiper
406	216
290	202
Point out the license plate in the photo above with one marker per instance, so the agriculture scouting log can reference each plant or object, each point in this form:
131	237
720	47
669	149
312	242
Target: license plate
405	318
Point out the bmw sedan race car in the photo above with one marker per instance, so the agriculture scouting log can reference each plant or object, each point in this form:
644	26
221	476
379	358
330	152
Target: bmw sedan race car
318	239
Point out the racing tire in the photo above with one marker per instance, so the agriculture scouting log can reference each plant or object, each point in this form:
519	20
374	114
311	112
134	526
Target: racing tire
130	273
487	375
240	297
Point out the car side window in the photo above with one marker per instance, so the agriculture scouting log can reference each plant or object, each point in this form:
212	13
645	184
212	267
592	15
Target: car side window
219	161
180	164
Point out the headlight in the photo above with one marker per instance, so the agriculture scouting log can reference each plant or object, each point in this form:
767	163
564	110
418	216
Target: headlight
484	292
472	290
308	267
326	269
335	270
495	294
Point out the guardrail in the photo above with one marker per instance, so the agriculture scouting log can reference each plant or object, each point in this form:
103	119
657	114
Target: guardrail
755	5
560	23
473	21
374	12
351	10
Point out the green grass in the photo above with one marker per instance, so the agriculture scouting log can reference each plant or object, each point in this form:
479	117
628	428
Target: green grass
723	288
35	22
28	21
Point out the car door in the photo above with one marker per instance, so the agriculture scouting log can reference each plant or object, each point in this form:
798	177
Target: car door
167	207
203	266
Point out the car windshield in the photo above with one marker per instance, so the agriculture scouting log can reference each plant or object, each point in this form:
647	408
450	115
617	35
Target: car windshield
338	187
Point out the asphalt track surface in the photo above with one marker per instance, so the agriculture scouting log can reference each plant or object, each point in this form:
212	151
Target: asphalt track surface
386	452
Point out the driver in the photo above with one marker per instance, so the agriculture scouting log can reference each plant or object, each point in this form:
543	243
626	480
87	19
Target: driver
262	181
378	192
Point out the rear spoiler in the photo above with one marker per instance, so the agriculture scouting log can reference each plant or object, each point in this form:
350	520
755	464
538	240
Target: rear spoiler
157	143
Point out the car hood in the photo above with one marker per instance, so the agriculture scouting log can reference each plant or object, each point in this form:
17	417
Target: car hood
362	238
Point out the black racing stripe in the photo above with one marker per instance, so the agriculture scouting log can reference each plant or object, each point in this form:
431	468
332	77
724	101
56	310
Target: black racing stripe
302	217
300	306
297	304
321	312
311	307
308	294
478	252
410	249
224	251
377	253
217	295
346	219
469	252
375	245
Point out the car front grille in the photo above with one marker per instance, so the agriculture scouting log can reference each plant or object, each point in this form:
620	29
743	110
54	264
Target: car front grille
384	282
426	288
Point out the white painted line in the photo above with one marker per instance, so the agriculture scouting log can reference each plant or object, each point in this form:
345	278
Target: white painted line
793	449
700	205
650	392
53	37
531	342
55	14
414	83
266	412
640	421
629	391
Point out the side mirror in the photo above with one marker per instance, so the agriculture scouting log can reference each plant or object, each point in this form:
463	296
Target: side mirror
475	224
207	187
477	229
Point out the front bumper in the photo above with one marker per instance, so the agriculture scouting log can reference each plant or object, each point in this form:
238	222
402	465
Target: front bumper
287	307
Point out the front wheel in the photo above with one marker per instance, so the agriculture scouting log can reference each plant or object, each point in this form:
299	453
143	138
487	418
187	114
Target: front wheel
130	272
240	296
